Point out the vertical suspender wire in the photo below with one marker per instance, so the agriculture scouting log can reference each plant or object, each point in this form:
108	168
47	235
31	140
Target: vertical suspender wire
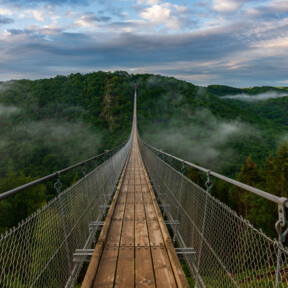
58	186
209	186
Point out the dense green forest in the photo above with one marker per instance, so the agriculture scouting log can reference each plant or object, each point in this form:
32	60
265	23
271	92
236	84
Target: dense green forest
49	124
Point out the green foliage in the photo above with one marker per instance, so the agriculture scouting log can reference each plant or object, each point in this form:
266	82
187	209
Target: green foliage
18	207
49	124
218	133
256	209
277	172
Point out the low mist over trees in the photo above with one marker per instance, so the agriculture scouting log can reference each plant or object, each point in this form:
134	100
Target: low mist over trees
49	124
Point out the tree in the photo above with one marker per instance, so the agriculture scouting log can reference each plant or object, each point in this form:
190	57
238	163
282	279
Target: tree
249	175
18	207
277	172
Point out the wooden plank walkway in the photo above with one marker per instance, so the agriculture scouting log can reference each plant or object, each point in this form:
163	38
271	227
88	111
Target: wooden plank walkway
134	248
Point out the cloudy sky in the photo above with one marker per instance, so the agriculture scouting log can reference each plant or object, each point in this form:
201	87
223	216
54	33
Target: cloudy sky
240	43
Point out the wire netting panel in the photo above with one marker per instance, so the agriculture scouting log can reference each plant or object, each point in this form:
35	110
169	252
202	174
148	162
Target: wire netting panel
39	251
230	252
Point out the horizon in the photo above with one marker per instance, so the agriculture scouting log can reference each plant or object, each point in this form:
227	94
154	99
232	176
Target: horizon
238	43
113	71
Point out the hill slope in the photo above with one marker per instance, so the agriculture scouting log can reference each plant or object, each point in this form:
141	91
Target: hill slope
48	124
44	121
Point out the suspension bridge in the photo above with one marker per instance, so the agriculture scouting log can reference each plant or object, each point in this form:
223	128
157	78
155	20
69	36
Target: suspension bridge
134	220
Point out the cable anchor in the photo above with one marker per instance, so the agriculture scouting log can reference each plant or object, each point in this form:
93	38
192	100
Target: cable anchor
58	184
282	223
183	168
208	183
84	169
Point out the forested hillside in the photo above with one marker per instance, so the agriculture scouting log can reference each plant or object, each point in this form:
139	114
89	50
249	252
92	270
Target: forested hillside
49	124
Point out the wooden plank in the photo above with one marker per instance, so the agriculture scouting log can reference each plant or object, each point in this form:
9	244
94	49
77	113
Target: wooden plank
130	198
139	211
138	188
155	235
106	271
149	208
131	181
124	188
114	234
127	236
129	211
150	213
144	268
163	272
145	188
119	211
95	259
147	197
175	263
141	233
121	198
125	268
93	265
138	197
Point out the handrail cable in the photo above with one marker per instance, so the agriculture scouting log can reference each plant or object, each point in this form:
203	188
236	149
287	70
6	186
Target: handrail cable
56	174
246	187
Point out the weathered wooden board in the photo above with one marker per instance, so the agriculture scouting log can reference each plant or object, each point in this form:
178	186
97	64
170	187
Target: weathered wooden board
119	211
135	249
125	268
163	272
155	235
144	268
106	271
141	233
139	211
114	233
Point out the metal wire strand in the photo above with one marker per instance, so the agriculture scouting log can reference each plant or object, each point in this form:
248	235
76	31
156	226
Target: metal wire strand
39	251
230	252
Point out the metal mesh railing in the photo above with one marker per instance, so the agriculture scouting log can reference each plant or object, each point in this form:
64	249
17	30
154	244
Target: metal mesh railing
230	252
39	251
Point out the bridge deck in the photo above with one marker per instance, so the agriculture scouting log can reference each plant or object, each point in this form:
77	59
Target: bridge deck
134	248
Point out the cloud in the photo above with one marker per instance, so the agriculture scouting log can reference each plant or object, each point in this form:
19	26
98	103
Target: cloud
148	2
275	43
148	34
211	53
202	141
279	6
257	97
5	20
164	14
91	18
31	3
7	111
58	139
4	86
284	81
273	10
224	6
5	11
36	14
